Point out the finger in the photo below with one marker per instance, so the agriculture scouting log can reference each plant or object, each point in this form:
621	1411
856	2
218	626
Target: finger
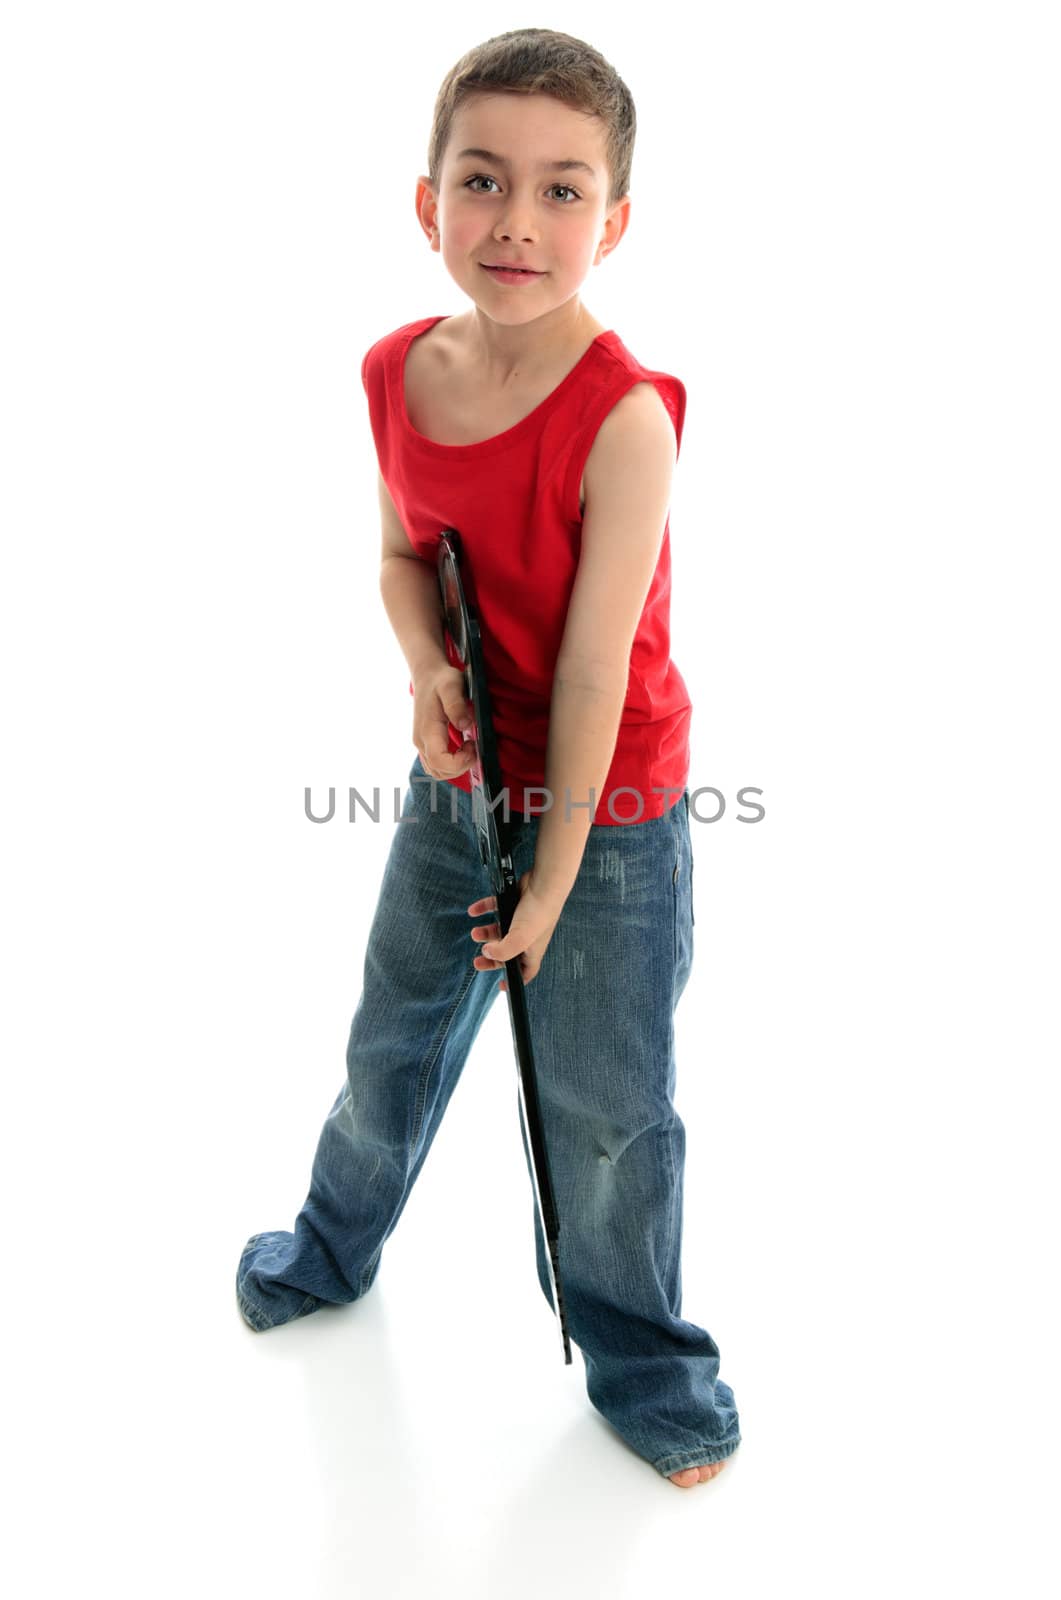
441	757
496	953
458	710
486	930
446	765
528	971
477	907
525	978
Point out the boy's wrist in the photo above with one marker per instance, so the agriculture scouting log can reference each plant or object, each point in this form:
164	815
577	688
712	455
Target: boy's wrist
425	667
550	889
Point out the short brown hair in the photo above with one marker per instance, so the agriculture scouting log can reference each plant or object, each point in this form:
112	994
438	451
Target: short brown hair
541	61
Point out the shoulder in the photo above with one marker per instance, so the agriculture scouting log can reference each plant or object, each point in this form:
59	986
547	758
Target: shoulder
374	356
377	353
640	412
638	432
640	386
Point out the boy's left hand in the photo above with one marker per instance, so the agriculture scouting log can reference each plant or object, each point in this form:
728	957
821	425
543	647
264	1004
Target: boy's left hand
528	936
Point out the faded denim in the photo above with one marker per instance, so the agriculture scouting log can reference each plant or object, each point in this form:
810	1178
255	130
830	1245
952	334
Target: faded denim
601	1014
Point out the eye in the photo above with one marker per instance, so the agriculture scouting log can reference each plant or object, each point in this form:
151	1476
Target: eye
481	177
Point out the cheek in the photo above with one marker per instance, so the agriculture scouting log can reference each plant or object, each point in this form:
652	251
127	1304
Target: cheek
579	242
463	227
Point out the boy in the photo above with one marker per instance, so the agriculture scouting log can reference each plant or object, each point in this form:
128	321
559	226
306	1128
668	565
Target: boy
531	428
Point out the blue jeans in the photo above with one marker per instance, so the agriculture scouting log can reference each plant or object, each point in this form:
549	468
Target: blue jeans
601	1014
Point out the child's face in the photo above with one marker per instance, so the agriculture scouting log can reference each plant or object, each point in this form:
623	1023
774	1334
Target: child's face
521	208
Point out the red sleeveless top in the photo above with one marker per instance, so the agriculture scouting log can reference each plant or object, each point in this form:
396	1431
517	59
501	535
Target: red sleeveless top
514	500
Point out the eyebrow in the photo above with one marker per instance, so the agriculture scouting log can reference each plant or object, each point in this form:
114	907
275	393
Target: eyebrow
546	166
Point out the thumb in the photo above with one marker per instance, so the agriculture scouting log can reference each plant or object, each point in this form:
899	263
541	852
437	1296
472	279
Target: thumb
457	709
499	949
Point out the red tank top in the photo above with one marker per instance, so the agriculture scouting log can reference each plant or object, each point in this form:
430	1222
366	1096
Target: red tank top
514	499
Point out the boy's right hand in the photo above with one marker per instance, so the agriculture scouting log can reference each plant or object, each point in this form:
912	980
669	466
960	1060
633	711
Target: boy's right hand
438	698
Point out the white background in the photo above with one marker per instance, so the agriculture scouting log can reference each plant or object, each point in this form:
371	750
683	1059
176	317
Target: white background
844	240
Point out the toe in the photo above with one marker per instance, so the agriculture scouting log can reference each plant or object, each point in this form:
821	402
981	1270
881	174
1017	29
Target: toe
690	1475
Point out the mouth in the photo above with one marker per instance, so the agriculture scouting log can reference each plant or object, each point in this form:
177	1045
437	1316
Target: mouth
522	272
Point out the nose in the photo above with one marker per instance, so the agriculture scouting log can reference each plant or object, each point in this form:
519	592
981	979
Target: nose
506	230
516	221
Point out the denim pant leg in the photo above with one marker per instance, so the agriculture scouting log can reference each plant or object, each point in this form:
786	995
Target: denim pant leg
421	1007
602	1020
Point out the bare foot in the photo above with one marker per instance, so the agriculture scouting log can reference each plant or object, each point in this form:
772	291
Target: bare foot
690	1475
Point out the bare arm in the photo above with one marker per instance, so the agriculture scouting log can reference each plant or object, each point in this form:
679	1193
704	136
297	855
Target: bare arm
628	479
409	587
